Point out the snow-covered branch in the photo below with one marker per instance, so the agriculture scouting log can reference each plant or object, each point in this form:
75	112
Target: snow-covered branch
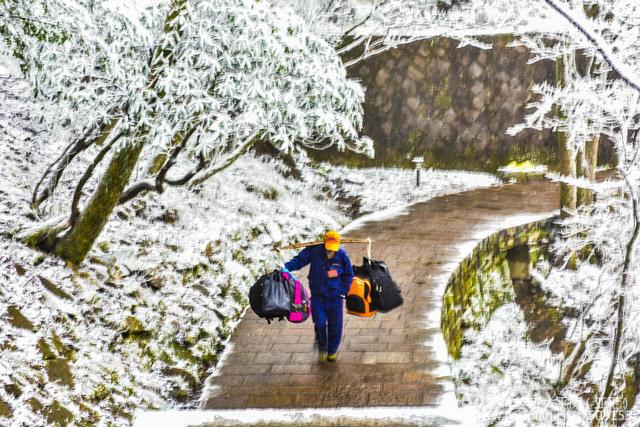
580	23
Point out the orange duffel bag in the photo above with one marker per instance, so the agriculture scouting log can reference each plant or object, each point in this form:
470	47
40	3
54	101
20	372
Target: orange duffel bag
359	298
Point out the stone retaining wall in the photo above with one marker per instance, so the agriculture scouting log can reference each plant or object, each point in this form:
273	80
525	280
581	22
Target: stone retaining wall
451	105
473	292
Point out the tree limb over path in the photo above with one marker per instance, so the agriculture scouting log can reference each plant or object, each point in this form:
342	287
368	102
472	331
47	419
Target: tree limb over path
582	25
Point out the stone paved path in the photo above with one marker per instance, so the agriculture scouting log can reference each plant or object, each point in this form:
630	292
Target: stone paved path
382	361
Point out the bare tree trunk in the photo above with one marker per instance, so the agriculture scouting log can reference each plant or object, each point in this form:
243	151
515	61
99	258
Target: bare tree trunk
75	244
572	364
587	164
580	173
628	258
568	193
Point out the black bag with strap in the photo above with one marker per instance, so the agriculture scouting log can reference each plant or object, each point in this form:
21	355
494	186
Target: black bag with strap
385	293
271	296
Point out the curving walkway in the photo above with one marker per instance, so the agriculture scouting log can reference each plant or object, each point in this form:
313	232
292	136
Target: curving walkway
382	361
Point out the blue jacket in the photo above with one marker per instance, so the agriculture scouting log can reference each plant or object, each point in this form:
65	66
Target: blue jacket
320	284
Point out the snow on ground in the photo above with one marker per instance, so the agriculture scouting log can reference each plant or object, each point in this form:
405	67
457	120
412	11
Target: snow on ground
380	189
507	377
379	416
140	324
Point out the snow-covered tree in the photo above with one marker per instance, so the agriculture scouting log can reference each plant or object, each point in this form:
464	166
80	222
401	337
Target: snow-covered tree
599	98
189	88
359	29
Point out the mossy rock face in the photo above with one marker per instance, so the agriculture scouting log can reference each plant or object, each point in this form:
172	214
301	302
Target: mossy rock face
54	289
59	370
17	319
5	410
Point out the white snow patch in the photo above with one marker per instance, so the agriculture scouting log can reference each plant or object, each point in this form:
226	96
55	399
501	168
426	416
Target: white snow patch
421	415
382	215
380	189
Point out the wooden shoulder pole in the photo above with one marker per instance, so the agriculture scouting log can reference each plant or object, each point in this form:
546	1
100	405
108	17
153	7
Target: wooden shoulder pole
321	242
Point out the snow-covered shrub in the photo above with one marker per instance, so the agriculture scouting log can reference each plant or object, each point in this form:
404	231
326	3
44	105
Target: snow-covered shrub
507	377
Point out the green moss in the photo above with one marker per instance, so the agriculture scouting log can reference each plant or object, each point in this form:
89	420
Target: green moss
133	326
39	259
77	243
443	101
164	356
239	257
100	393
58	370
54	289
182	352
114	378
57	414
17	319
209	358
148	354
239	297
104	246
225	288
185	375
13	389
91	418
5	410
193	273
45	350
181	395
208	250
482	283
62	349
35	404
271	194
630	391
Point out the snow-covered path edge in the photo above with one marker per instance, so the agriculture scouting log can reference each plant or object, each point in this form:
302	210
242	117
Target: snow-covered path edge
448	403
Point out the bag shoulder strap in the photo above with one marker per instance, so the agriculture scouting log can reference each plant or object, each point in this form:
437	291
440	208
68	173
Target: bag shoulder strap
297	295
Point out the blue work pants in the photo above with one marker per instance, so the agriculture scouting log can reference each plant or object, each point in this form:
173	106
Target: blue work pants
327	320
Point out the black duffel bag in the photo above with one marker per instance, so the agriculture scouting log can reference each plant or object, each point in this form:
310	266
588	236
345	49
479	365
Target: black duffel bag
270	297
385	293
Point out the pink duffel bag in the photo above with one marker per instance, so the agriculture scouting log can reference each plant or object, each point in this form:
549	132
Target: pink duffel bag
300	304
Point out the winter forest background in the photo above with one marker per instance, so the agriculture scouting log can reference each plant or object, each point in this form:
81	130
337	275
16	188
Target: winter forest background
152	151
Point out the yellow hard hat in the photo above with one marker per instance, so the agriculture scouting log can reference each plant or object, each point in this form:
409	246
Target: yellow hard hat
332	240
